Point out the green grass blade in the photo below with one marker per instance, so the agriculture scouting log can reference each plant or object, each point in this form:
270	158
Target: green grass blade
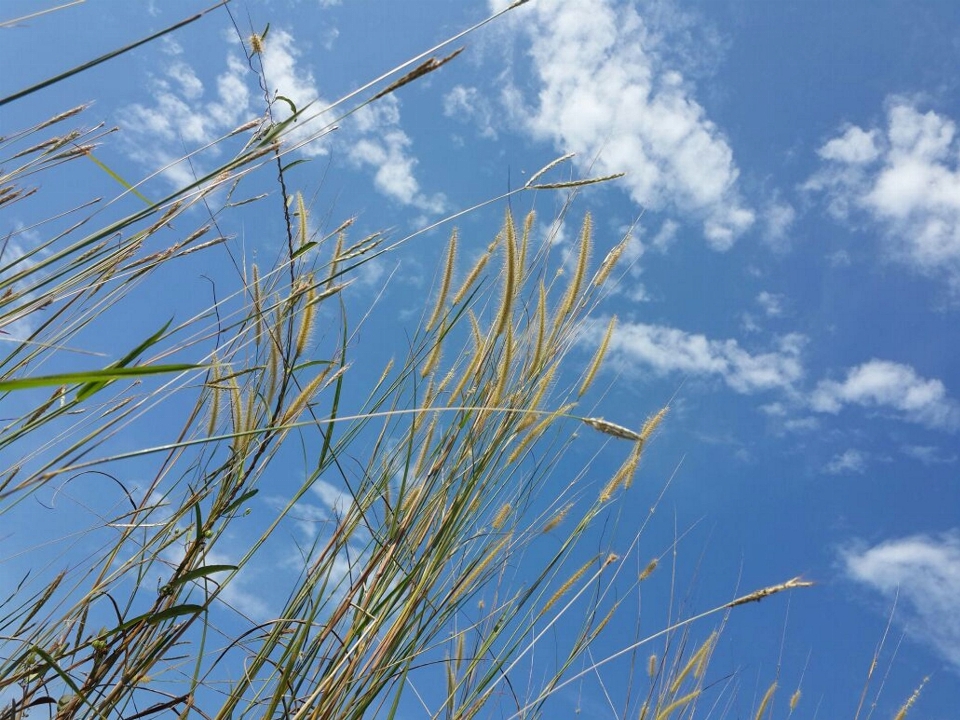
103	166
93	380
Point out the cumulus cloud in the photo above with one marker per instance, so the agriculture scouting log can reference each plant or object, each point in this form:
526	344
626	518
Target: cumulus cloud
850	461
605	92
904	178
885	384
923	572
666	350
184	111
383	148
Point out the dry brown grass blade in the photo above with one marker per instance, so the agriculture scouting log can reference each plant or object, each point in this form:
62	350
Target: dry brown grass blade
424	68
758	595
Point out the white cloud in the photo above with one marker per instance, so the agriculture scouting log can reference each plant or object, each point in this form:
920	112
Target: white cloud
190	84
383	148
372	138
904	178
774	409
606	93
924	573
284	76
771	303
854	147
466	103
850	461
928	454
840	258
337	499
666	350
665	236
801	425
885	384
778	217
18	325
240	593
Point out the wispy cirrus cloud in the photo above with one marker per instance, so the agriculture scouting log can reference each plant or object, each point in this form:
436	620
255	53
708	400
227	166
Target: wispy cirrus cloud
605	91
903	178
923	573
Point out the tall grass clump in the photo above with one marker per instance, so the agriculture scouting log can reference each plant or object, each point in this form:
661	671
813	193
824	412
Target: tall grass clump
456	546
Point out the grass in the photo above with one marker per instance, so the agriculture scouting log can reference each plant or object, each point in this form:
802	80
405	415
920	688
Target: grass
454	555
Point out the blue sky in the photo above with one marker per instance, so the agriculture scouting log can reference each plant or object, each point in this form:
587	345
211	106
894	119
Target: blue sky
794	277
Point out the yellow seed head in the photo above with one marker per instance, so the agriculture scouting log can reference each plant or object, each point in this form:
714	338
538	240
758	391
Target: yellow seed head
794	700
525	239
302	218
467	583
610	262
256	44
503	368
536	431
623	476
566	587
471	278
337	257
902	713
555	520
652	422
677	704
648	570
598	356
544	384
693	664
505	315
576	282
767	697
500	519
308	315
432	359
304	397
445	282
